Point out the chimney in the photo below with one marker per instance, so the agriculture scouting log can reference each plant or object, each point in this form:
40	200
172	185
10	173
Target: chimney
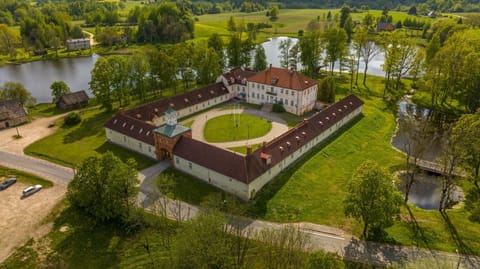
249	149
270	66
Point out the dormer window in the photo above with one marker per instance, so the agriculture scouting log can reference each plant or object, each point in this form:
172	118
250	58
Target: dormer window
199	96
186	100
297	137
156	110
141	130
124	124
148	133
281	148
327	118
339	110
131	127
345	106
212	92
266	157
274	80
172	105
333	114
320	122
350	103
304	134
139	116
115	121
289	144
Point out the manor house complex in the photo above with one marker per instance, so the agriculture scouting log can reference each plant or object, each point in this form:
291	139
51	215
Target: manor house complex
152	129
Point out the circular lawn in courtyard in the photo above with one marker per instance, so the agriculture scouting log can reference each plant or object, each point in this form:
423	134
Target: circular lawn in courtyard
241	127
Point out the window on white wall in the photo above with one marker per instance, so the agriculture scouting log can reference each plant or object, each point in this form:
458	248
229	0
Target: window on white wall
190	165
124	139
177	160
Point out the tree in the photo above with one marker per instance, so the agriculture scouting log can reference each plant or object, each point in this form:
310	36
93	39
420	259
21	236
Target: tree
372	198
283	248
216	43
234	51
59	88
310	52
400	58
231	26
274	11
260	59
139	69
8	40
184	54
246	53
16	91
467	132
344	15
207	64
366	48
163	67
335	45
101	83
412	11
104	187
326	90
119	78
284	48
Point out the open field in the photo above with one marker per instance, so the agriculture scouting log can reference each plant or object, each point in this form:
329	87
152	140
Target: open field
289	22
71	145
223	128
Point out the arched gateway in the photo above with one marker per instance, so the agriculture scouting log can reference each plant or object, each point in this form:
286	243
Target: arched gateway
167	135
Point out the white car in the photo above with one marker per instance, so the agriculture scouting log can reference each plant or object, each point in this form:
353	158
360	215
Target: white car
31	190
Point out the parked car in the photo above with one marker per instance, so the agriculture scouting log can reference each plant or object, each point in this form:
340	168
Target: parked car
31	190
7	183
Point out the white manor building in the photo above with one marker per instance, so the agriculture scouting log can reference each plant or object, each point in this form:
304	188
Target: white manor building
152	129
296	92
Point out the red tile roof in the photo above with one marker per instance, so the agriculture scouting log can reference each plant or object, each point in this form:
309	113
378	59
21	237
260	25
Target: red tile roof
248	168
132	127
238	75
283	78
147	112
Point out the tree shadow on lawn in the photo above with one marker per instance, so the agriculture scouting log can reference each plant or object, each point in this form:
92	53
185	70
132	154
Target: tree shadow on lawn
84	243
258	206
417	231
88	127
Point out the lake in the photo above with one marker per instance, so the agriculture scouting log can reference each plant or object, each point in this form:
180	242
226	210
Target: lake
38	76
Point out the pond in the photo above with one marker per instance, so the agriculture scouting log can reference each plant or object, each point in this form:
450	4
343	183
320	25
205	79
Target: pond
421	132
272	52
38	76
426	192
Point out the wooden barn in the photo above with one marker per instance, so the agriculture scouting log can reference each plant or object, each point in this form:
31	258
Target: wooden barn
73	100
12	113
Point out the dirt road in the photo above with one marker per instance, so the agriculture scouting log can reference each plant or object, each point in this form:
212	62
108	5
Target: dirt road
22	219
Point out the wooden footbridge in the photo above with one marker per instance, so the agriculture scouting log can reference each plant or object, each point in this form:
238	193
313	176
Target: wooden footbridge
436	168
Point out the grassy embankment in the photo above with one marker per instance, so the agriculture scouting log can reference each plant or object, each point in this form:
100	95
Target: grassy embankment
223	128
314	188
24	177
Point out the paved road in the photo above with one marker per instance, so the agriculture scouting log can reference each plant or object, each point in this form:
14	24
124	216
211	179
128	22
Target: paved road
322	237
54	172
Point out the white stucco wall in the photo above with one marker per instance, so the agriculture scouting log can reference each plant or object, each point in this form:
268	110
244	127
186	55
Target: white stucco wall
211	177
262	180
130	143
194	109
295	102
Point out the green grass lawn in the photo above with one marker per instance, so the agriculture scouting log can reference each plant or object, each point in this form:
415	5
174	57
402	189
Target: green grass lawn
71	145
24	177
243	149
223	128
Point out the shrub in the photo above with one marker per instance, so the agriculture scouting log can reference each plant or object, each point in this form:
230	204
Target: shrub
72	118
278	107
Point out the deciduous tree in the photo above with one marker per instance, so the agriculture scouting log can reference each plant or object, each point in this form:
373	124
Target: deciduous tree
16	91
335	45
372	198
59	88
260	59
104	187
